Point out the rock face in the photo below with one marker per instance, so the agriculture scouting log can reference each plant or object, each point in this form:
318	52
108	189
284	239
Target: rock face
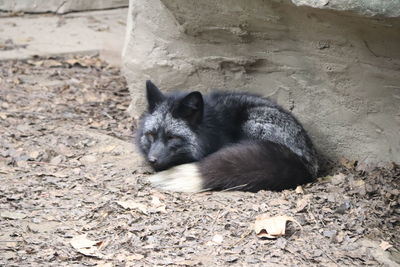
58	6
338	72
387	8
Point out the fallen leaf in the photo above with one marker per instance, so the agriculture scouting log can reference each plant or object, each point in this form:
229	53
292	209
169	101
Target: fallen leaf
12	215
87	159
105	264
299	190
160	207
272	227
57	160
134	257
281	243
22	164
132	205
155	201
349	164
340	237
188	262
385	245
329	233
51	63
358	183
34	154
338	178
84	62
217	239
3	115
303	203
86	247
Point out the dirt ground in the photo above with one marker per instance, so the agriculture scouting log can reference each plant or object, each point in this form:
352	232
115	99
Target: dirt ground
73	191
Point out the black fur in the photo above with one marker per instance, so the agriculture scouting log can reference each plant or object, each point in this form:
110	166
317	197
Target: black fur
253	166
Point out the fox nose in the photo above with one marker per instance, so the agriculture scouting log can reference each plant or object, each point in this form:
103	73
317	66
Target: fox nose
152	159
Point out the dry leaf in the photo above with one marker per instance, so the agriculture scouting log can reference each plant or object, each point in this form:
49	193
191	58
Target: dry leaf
188	262
340	237
160	207
338	178
57	160
272	227
217	239
84	62
132	205
51	63
303	203
88	159
385	245
155	201
105	264
12	215
86	247
349	164
299	189
134	257
358	183
3	115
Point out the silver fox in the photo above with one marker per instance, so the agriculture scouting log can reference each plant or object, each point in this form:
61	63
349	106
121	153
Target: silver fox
223	141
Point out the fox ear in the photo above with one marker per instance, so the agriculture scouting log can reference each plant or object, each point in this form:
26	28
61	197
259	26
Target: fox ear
154	95
190	108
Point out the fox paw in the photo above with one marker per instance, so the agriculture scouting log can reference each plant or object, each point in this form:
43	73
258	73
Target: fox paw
182	178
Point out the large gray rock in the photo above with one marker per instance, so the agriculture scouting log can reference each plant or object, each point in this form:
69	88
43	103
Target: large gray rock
386	8
59	6
338	72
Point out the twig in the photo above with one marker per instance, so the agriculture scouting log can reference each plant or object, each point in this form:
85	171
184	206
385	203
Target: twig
51	164
372	52
108	115
242	237
213	223
235	187
329	257
313	217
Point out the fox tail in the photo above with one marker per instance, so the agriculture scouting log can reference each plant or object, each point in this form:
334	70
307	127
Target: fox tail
246	166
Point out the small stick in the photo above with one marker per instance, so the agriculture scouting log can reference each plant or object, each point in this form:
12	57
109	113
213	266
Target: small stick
243	236
235	187
51	164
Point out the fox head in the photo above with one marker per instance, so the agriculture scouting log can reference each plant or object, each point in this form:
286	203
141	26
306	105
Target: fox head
167	130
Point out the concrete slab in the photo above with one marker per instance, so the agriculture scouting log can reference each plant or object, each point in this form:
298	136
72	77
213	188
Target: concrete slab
59	6
76	33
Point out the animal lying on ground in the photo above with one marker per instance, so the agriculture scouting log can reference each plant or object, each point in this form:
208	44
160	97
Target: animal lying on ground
223	141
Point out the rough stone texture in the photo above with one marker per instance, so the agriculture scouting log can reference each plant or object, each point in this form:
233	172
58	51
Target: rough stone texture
387	8
59	6
338	72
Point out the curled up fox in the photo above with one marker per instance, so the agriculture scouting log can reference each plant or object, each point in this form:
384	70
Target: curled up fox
223	141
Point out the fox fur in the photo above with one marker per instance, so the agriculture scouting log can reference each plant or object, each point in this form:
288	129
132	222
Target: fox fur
223	141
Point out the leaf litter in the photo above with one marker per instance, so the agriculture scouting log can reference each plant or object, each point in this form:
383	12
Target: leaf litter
272	227
87	247
69	174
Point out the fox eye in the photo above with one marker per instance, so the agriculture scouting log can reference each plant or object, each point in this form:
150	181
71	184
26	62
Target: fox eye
172	137
151	136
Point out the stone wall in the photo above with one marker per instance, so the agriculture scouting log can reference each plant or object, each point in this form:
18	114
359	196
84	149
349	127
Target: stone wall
337	71
58	6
